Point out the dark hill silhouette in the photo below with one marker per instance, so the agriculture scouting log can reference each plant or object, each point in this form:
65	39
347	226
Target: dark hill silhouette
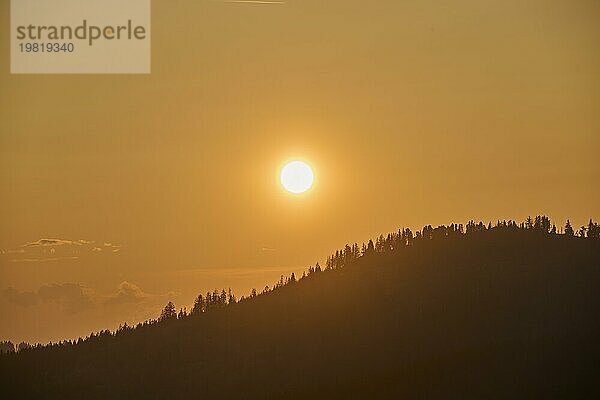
505	312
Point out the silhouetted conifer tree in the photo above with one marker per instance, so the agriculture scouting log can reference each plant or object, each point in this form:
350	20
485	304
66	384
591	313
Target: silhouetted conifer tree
168	312
593	230
370	247
198	305
7	347
569	229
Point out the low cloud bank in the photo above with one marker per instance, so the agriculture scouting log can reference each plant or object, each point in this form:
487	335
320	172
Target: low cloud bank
75	297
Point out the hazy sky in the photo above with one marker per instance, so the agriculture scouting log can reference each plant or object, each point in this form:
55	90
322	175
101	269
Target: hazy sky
410	112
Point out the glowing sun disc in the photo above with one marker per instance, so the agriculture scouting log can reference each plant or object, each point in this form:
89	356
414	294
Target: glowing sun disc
297	177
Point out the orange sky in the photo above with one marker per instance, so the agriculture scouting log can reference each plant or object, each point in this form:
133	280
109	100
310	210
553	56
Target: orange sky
411	113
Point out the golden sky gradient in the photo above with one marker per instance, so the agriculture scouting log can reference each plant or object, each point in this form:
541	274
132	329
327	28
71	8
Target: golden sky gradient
410	113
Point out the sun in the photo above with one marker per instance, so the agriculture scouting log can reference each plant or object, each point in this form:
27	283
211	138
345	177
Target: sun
297	177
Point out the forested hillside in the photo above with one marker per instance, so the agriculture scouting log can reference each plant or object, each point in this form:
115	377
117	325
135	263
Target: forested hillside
509	311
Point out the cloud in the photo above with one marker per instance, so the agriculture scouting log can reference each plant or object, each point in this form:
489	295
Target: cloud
128	293
76	297
24	299
267	249
45	249
12	251
57	242
42	259
72	297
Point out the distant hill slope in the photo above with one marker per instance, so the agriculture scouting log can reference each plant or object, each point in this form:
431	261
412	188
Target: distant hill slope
495	314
